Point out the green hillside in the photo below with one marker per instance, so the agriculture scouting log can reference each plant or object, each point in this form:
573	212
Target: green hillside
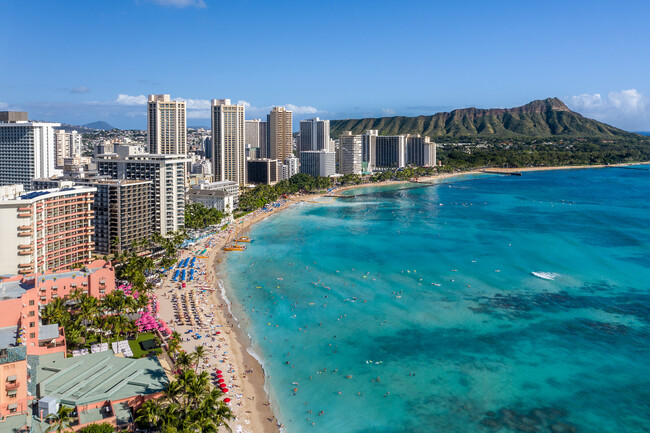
542	118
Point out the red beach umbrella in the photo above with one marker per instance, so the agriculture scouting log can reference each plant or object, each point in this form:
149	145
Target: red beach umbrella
219	376
227	400
221	381
224	390
219	371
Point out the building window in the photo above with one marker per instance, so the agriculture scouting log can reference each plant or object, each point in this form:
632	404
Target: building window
32	335
32	324
31	302
31	314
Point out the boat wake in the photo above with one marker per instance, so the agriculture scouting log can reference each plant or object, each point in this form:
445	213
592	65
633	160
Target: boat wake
546	275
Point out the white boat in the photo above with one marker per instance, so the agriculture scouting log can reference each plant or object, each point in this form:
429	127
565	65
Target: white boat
546	275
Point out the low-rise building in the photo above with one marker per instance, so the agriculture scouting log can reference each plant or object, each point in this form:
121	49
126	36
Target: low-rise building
21	332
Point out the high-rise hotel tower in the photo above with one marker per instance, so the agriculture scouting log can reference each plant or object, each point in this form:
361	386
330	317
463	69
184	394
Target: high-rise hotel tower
166	126
229	149
279	123
26	149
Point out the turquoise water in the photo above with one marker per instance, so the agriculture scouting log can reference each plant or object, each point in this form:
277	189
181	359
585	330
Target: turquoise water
434	287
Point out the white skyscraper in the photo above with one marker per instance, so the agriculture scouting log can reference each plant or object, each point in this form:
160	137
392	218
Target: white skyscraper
26	149
228	141
166	126
350	153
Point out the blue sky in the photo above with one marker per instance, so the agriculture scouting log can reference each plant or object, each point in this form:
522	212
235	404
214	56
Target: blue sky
81	61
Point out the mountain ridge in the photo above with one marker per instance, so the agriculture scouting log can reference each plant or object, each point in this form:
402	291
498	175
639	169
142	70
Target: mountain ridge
548	117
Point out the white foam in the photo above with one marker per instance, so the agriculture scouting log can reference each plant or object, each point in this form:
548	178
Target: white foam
546	275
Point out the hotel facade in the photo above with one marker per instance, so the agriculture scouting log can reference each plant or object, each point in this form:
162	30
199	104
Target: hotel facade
45	230
166	126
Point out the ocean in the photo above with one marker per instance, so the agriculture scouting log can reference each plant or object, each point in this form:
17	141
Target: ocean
417	310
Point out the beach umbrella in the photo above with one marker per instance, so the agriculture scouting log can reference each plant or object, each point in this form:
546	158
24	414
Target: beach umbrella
221	381
227	400
225	390
219	371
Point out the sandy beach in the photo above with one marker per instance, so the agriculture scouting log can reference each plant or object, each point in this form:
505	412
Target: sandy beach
214	327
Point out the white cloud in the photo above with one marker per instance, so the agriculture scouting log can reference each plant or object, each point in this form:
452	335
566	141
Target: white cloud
244	103
195	104
388	112
123	99
80	89
181	3
628	109
4	106
302	109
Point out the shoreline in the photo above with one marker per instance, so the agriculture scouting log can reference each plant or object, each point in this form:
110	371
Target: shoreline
254	408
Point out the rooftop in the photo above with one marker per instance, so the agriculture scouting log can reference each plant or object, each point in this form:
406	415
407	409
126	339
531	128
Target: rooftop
48	332
96	377
8	336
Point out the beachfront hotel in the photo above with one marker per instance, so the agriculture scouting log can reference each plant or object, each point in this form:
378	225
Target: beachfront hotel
22	335
228	144
166	172
420	151
318	163
35	374
350	153
123	213
27	149
45	230
166	126
388	152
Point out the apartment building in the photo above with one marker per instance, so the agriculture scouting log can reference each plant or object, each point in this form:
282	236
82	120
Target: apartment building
67	145
46	230
255	136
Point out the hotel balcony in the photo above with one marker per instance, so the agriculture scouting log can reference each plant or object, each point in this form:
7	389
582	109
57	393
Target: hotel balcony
25	246
24	227
25	209
26	233
25	252
12	385
24	215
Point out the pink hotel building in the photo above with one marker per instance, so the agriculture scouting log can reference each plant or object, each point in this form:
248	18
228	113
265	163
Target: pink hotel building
21	332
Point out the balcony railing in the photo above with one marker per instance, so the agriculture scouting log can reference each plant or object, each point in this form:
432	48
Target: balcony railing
12	385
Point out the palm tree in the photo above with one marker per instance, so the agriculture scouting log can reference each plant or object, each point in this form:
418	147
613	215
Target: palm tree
174	392
199	355
183	360
61	420
88	311
55	312
149	413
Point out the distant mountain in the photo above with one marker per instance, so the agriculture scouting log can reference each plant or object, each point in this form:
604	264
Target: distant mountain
541	118
100	124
